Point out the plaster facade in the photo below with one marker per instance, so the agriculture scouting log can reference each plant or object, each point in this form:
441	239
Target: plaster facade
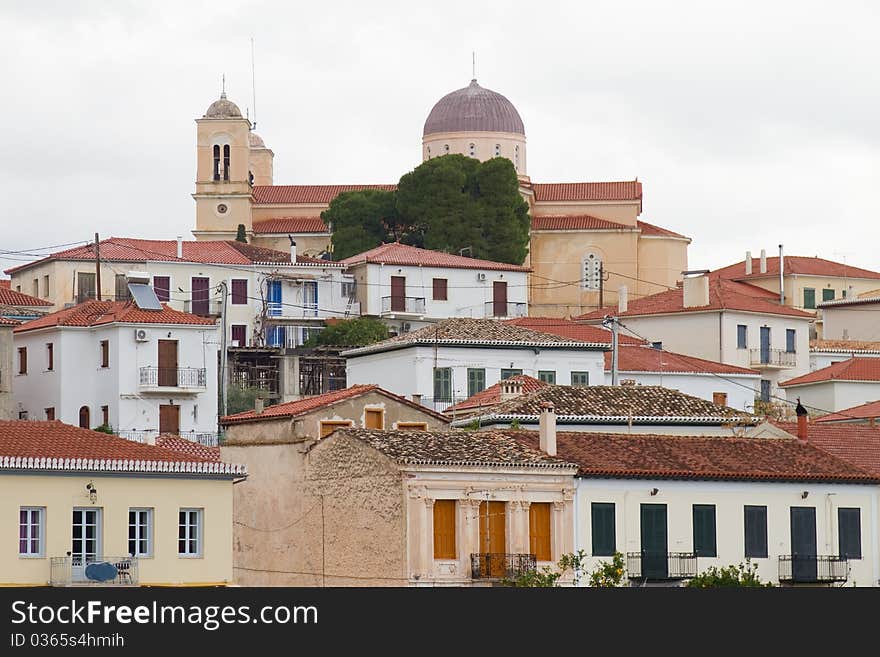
6	359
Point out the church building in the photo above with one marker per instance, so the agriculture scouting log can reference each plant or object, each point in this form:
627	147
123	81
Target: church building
586	240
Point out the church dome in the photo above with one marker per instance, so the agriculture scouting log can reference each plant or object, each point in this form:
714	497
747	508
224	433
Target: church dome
255	141
223	109
474	109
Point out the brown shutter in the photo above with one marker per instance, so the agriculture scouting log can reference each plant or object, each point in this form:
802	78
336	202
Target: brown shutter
398	293
168	363
239	291
444	529
539	530
499	299
50	353
373	418
22	360
440	289
84	419
719	398
169	419
162	287
50	413
105	353
329	426
493	540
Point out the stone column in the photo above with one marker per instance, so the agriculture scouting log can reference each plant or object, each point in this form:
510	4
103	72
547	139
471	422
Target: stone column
470	532
520	530
428	540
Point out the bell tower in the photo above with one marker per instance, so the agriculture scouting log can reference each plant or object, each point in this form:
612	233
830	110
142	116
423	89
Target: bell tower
223	187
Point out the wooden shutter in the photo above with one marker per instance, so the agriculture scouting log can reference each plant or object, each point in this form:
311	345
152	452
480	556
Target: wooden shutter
200	295
440	289
22	360
704	530
398	293
719	398
84	419
162	287
849	533
169	419
239	334
239	291
374	418
499	299
444	529
167	363
756	531
50	356
50	413
493	536
412	426
329	426
105	353
539	530
604	535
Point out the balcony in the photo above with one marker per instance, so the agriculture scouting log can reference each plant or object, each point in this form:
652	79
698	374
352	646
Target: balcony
511	310
501	566
203	308
403	305
96	571
798	569
772	358
208	439
661	566
179	379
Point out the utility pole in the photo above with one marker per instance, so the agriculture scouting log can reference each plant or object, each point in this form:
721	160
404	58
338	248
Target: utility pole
222	373
613	324
97	268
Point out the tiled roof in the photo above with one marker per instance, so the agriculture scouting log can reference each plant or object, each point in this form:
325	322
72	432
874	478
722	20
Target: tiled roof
618	404
5	283
567	328
723	295
868	411
629	190
858	444
492	395
291	225
465	448
845	346
647	359
395	253
97	313
188	447
855	301
9	297
8	322
308	404
576	222
317	194
651	230
649	456
853	369
52	445
460	331
795	265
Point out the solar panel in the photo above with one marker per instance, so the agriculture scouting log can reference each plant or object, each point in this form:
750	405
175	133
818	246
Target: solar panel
144	296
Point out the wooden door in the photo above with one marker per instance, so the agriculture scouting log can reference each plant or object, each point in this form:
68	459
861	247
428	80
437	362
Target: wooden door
84	419
539	531
168	363
199	287
655	557
493	537
803	544
398	293
499	299
374	418
169	419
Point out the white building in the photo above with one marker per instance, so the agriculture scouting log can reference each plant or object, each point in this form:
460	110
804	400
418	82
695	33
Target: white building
724	321
839	386
851	319
140	372
454	359
409	287
827	352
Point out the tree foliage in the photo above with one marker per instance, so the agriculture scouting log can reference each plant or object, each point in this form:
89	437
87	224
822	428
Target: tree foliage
743	575
357	332
608	575
241	235
362	220
241	398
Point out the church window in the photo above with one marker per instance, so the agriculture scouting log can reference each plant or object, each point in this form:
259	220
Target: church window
216	162
497	150
446	148
226	162
472	150
516	158
592	279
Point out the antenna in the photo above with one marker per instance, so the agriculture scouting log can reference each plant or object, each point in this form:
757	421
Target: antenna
253	86
223	85
473	64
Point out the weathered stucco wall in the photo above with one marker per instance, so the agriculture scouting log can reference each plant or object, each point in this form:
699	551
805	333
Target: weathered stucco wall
6	373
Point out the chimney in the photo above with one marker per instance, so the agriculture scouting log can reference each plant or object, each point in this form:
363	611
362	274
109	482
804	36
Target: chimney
511	388
748	263
180	246
696	289
763	269
417	398
292	250
547	429
801	420
622	299
258	405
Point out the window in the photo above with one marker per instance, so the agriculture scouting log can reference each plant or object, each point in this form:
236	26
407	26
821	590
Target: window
349	289
36	287
329	426
46	286
440	289
226	162
742	336
497	150
22	360
105	353
162	287
50	413
602	521
85	286
22	415
657	345
412	426
105	416
755	522
765	390
704	530
140	532
189	533
790	336
827	295
539	531
443	384
472	150
216	162
239	335
580	379
547	376
507	373
50	357
719	398
444	529
592	278
516	157
84	417
122	291
476	380
239	291
374	418
446	148
30	531
849	533
809	297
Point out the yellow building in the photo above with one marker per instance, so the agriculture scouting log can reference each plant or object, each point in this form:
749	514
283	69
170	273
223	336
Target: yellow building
586	239
90	508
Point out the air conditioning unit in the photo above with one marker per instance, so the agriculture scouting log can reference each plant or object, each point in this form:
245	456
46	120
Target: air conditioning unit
481	276
141	335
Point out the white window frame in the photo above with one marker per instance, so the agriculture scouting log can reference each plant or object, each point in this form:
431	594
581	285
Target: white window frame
137	524
41	528
199	525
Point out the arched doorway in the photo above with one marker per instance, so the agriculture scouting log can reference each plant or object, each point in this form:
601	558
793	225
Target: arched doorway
84	417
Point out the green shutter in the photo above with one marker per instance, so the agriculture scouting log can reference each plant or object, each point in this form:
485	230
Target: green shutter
506	374
442	384
604	539
704	530
547	376
827	295
476	380
809	297
580	379
755	521
849	533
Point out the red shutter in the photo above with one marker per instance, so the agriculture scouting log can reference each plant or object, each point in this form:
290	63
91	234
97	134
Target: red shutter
162	287
239	291
440	289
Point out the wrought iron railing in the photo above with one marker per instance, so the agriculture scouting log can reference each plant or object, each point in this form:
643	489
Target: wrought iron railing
490	565
414	305
772	357
812	569
95	570
173	377
207	438
659	566
491	309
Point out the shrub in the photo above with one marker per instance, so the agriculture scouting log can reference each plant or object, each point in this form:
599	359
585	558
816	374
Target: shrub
743	575
608	575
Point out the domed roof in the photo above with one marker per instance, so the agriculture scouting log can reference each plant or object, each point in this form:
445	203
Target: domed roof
474	109
223	109
255	141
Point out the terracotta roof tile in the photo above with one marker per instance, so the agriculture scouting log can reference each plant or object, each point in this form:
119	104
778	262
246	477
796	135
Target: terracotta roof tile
317	194
396	253
568	328
491	396
647	359
630	190
869	411
853	369
8	322
857	444
576	222
5	283
188	447
656	231
291	225
795	265
9	297
97	313
648	456
845	346
864	300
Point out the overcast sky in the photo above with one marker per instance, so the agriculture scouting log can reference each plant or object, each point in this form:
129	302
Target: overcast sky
750	125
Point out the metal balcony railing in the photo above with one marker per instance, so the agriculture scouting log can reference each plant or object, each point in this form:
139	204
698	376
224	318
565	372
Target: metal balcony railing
95	570
487	565
506	310
207	438
412	305
173	377
812	569
772	357
661	566
203	308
